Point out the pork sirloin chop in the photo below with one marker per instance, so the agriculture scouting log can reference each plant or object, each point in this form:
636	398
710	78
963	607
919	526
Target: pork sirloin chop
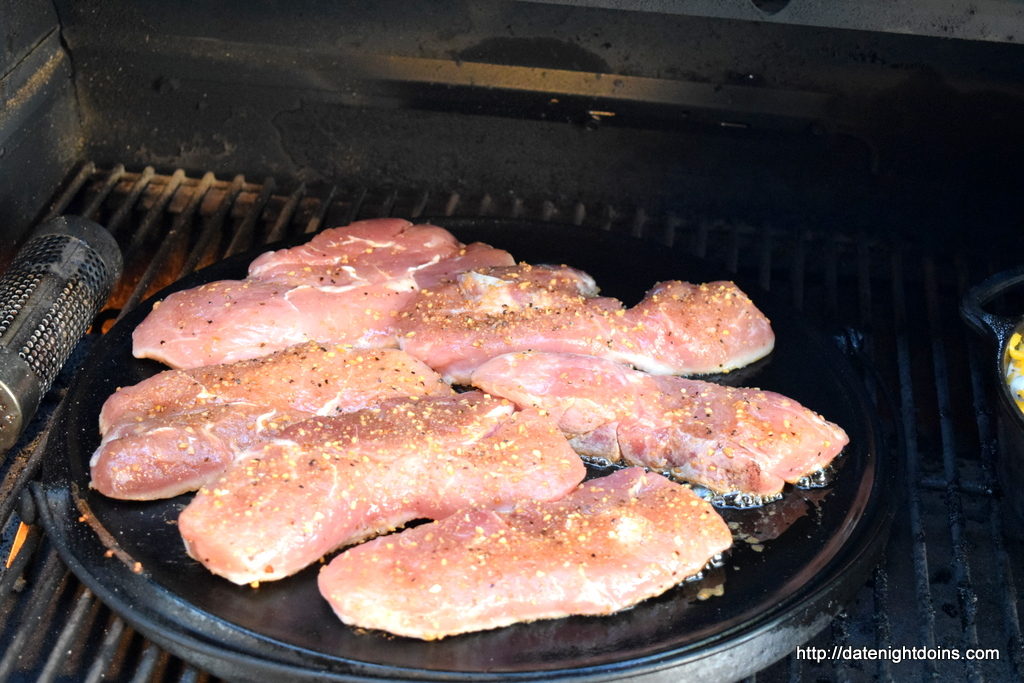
724	438
331	481
677	329
343	286
613	542
178	429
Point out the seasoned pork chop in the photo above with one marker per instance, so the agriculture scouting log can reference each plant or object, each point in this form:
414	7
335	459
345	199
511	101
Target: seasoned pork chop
346	285
176	430
612	543
727	439
332	481
677	329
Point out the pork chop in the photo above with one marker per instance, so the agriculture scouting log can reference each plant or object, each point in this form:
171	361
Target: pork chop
346	285
677	329
613	542
331	481
177	429
730	440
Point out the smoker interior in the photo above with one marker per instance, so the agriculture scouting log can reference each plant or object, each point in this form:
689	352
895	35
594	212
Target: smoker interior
864	175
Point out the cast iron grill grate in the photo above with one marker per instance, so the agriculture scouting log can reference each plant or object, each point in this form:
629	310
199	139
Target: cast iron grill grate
949	576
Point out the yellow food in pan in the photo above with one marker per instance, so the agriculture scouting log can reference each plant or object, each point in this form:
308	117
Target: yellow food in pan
1015	369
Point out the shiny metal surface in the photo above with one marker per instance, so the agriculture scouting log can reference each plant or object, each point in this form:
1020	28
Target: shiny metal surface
48	298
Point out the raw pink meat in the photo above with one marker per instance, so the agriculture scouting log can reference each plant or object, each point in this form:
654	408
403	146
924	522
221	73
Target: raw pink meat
330	481
361	253
178	429
346	285
678	328
727	439
612	543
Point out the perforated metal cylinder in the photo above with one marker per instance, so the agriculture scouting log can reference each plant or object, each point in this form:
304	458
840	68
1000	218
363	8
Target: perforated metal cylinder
49	295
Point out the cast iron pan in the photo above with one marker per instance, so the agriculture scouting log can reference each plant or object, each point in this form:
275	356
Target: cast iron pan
775	592
997	330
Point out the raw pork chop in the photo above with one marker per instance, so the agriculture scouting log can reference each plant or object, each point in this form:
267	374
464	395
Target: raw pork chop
343	286
677	329
727	439
176	430
613	542
331	481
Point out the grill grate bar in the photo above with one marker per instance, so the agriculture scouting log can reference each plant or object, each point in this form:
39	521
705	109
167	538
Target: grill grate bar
579	213
452	204
548	210
46	585
883	626
486	206
388	205
357	206
882	631
171	242
244	236
518	207
840	630
148	663
316	222
213	228
925	608
76	622
90	209
961	568
280	227
422	197
141	183
107	651
23	466
71	191
132	252
190	675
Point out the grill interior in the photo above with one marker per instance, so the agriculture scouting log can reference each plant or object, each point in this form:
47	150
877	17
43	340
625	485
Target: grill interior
948	578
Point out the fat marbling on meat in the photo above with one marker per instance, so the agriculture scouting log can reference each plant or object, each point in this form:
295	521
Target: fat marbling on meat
727	439
343	286
331	481
678	328
613	542
177	429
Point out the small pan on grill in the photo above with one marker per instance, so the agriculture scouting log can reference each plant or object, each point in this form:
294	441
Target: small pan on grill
998	330
793	566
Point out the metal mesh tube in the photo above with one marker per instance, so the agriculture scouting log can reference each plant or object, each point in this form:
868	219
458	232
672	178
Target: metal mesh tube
48	297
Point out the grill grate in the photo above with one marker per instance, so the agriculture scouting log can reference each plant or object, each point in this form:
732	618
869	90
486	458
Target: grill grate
948	578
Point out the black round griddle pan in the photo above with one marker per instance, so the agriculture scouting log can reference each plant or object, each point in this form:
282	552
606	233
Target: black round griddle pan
794	564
